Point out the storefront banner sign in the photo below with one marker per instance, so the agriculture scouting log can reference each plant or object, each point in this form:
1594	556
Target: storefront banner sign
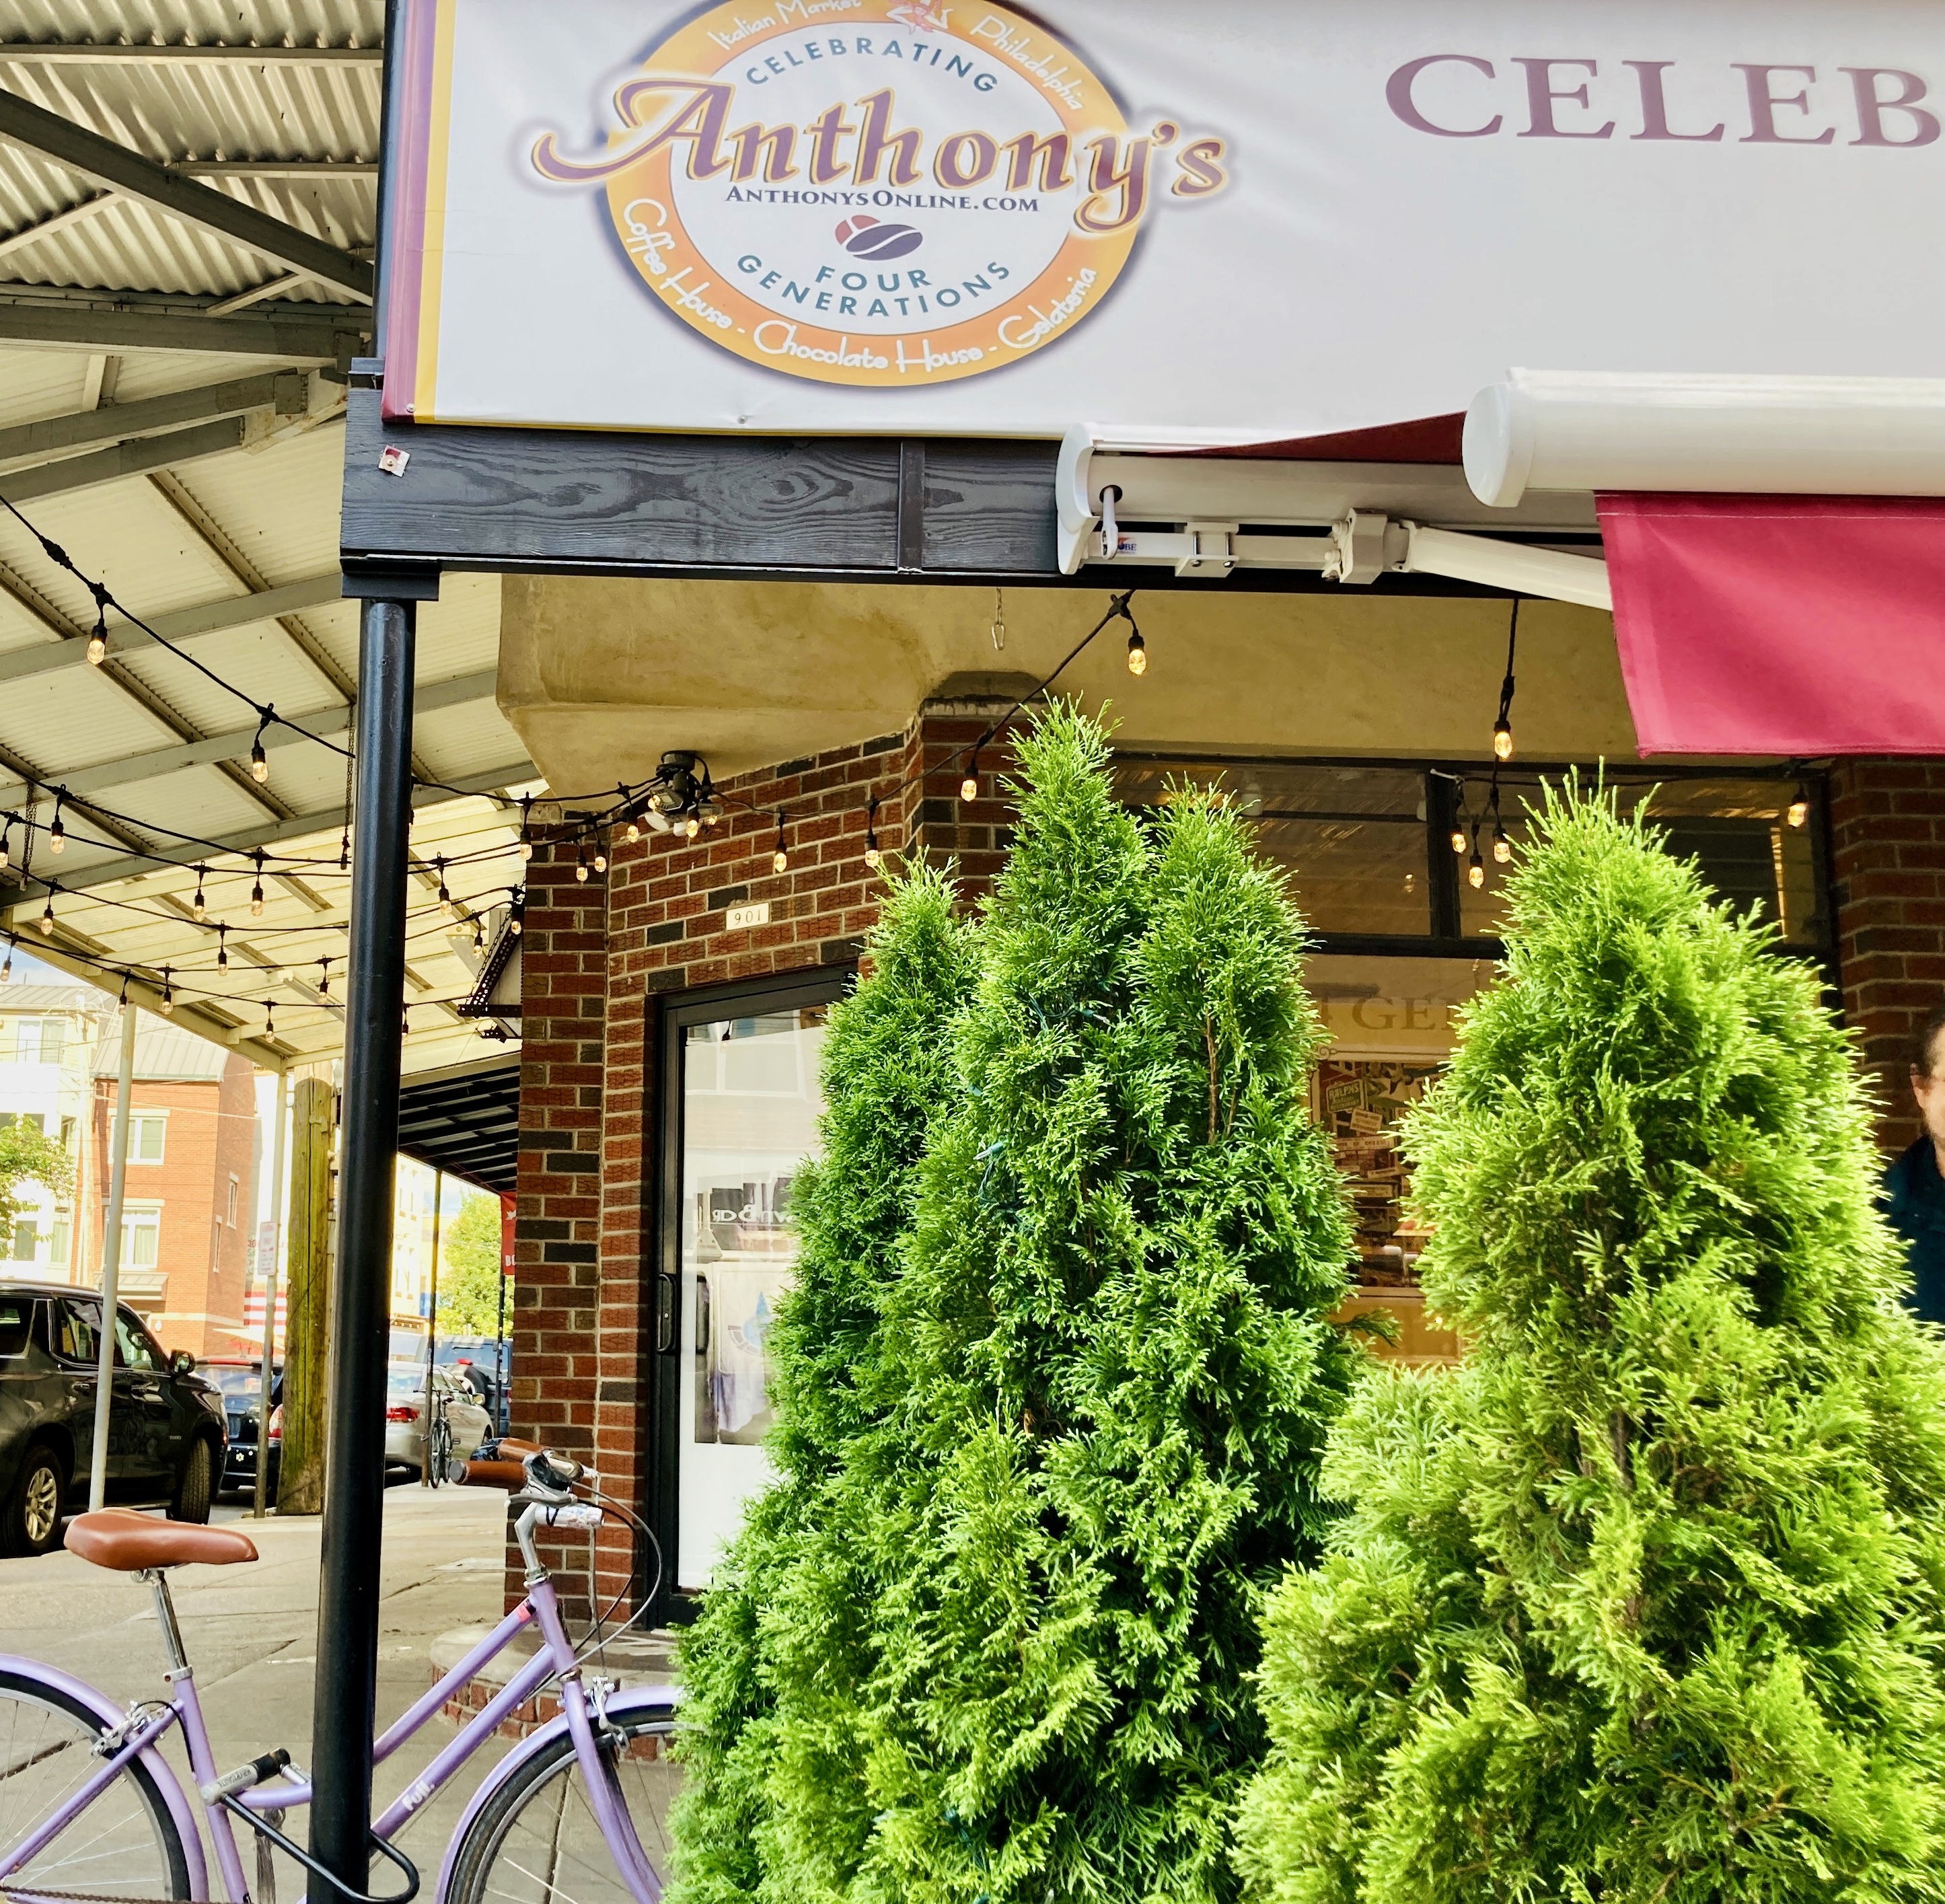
1243	220
1803	626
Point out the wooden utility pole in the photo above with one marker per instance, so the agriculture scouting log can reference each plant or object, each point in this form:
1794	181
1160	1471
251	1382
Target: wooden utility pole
307	1304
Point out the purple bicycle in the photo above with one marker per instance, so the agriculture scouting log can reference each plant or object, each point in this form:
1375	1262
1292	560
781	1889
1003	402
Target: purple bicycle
89	1808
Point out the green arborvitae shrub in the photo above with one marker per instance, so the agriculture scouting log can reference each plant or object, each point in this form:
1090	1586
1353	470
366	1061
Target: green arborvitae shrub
771	1669
1114	1318
1643	1604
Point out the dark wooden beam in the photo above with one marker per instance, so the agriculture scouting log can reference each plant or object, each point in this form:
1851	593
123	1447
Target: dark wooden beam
810	508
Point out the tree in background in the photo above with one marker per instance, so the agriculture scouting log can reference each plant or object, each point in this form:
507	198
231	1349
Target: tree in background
28	1156
1643	1603
773	1669
469	1273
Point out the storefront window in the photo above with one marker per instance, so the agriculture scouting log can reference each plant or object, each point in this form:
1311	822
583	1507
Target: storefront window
1381	860
750	1097
1356	834
1380	854
1738	831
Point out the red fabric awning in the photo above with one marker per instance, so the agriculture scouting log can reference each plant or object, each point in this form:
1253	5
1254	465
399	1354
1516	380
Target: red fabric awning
1801	626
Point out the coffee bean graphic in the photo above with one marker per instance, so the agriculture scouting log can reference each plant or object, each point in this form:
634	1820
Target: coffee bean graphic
866	238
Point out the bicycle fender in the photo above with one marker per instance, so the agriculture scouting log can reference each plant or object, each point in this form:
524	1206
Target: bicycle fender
105	1709
641	1698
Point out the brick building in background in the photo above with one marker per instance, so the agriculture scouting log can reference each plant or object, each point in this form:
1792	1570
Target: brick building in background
185	1210
191	1151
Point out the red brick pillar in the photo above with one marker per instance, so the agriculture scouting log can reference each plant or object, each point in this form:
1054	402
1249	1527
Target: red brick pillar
557	1217
1887	860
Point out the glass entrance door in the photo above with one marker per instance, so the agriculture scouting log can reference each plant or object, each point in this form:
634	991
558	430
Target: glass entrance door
745	1091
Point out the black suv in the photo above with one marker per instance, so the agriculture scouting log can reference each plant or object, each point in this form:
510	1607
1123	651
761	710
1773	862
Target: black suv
165	1423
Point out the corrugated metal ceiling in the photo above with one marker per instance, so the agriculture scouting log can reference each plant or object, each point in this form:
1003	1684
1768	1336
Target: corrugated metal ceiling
275	102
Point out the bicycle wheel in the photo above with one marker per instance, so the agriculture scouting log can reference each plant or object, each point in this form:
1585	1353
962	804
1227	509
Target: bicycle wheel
124	1845
537	1840
442	1451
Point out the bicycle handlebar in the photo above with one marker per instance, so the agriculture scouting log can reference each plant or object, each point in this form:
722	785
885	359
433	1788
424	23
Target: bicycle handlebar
511	1475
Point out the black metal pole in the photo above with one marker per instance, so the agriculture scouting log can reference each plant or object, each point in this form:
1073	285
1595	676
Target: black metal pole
354	1491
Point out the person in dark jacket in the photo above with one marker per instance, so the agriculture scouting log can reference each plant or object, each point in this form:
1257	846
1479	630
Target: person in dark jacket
1914	1186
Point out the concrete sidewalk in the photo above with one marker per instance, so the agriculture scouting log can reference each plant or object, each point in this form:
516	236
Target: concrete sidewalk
251	1634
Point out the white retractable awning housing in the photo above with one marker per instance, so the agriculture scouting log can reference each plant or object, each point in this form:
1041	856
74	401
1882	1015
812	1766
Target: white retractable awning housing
1553	433
1135	504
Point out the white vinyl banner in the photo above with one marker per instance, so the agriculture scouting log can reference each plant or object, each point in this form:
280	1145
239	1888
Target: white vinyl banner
1240	220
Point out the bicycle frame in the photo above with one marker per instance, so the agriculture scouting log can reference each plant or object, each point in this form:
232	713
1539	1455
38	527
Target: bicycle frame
137	1733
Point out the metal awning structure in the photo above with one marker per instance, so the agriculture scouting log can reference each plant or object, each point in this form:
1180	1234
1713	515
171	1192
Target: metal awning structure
186	231
465	1119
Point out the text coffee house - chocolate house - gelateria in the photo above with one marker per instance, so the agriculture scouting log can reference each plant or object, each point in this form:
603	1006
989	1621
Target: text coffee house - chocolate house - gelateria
1325	397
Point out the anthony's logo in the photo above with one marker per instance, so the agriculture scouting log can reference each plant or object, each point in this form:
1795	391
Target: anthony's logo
879	192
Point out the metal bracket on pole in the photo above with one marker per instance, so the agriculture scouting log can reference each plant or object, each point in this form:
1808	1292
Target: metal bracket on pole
111	1264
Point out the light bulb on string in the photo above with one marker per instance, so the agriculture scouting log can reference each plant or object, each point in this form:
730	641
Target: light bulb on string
634	831
344	849
526	826
969	787
1503	847
269	1019
1475	868
259	762
478	934
1138	653
1502	723
222	948
7	844
600	858
256	889
516	914
168	1000
58	833
780	859
1799	814
7	971
97	640
445	892
872	856
47	919
691	827
404	1020
580	866
324	977
198	906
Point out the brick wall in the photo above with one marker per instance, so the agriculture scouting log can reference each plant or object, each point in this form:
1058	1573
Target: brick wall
596	955
1887	860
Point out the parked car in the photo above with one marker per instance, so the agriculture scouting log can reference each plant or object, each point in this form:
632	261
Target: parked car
405	1412
240	1382
165	1423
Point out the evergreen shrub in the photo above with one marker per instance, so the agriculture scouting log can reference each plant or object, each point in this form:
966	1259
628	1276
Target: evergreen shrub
1643	1603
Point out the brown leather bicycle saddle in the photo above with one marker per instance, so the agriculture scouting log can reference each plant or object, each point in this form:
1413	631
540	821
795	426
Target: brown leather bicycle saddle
126	1541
